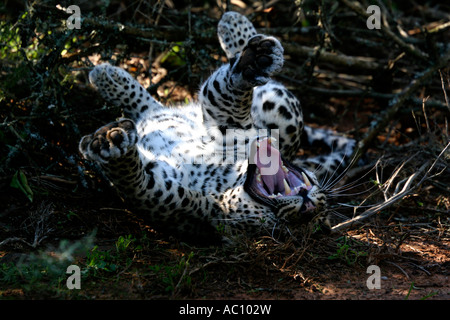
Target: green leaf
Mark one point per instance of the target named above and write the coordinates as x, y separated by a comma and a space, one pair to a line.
19, 181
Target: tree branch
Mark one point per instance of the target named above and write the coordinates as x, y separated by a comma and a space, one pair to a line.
357, 63
166, 33
354, 6
395, 104
406, 190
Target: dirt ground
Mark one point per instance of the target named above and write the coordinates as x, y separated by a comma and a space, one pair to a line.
412, 256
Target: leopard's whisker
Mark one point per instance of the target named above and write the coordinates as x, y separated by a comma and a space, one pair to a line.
348, 187
338, 214
342, 174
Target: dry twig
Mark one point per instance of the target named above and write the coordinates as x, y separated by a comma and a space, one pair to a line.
387, 31
406, 189
395, 104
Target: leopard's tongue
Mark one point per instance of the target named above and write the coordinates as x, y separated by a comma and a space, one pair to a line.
269, 162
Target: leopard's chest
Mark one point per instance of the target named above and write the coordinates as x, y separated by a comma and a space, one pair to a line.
179, 140
171, 134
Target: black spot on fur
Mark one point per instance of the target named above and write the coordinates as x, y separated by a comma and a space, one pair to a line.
268, 106
216, 85
168, 199
151, 181
284, 112
180, 192
185, 202
211, 98
278, 92
290, 129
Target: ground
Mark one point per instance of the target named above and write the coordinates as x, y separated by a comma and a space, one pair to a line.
127, 259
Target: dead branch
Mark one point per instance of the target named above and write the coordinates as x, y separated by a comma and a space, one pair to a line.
444, 91
387, 31
166, 34
15, 239
337, 93
356, 63
407, 188
395, 104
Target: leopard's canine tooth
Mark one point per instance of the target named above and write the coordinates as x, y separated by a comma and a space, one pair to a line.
306, 180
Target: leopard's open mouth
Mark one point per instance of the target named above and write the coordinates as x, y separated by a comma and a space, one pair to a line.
271, 180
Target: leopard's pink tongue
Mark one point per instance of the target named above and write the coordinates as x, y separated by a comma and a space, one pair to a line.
268, 160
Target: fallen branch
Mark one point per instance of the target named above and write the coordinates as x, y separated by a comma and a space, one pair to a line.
395, 105
356, 63
398, 195
15, 239
167, 34
335, 93
160, 33
385, 29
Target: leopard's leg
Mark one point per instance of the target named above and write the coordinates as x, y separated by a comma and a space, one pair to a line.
118, 87
151, 186
113, 147
226, 99
226, 96
234, 30
273, 106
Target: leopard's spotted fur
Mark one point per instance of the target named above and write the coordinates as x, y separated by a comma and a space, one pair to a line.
199, 168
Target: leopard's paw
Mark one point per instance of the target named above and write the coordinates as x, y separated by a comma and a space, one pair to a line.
113, 140
262, 56
234, 30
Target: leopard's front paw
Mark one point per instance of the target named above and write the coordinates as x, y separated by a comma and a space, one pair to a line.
113, 140
262, 56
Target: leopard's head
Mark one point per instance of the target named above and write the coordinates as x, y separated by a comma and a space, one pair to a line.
293, 193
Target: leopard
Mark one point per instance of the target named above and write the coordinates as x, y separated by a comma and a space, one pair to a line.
225, 165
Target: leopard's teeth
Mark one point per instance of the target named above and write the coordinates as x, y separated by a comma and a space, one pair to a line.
287, 189
275, 195
286, 170
306, 180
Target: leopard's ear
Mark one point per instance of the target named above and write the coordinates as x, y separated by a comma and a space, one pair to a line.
234, 30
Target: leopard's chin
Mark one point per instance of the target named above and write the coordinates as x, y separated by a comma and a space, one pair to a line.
272, 180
